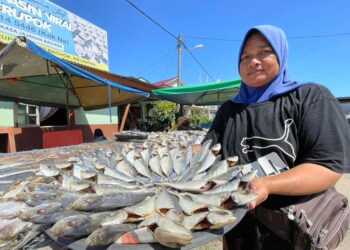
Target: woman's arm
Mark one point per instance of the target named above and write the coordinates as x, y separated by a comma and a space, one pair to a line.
306, 178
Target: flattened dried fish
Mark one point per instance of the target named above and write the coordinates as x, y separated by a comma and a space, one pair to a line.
192, 186
154, 164
228, 187
243, 197
137, 236
108, 234
142, 210
78, 225
165, 201
171, 234
219, 219
196, 221
49, 170
9, 229
94, 202
10, 209
115, 218
191, 207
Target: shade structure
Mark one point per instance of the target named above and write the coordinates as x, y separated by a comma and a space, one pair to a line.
200, 94
32, 75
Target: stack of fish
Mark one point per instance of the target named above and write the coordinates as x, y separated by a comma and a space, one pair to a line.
155, 192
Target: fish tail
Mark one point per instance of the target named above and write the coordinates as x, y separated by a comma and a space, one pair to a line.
128, 238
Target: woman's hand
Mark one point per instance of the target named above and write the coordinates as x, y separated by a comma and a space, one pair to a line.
259, 187
304, 179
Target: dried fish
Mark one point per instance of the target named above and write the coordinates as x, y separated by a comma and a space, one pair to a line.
94, 202
142, 210
9, 229
243, 197
78, 225
115, 218
137, 236
128, 193
171, 234
10, 209
220, 219
108, 234
196, 221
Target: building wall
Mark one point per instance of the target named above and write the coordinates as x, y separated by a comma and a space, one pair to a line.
13, 139
6, 114
98, 116
88, 121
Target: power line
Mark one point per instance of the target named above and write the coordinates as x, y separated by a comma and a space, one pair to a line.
172, 35
152, 20
291, 37
319, 36
214, 38
156, 62
189, 51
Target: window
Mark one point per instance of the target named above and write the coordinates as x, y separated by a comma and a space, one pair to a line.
27, 115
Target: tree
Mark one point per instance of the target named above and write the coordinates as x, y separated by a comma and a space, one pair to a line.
163, 115
198, 118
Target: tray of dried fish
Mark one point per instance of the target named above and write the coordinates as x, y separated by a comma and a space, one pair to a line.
154, 194
131, 135
199, 238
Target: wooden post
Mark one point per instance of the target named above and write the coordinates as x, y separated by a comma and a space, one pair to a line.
125, 115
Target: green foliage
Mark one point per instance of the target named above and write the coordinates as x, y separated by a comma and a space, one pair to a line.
163, 115
199, 117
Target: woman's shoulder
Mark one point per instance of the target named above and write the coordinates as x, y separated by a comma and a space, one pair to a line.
316, 88
314, 92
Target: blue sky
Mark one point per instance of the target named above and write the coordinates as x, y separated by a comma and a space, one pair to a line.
137, 47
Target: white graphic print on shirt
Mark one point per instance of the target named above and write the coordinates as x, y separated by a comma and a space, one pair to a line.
250, 144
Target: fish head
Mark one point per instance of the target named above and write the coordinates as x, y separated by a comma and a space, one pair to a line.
77, 227
39, 211
70, 226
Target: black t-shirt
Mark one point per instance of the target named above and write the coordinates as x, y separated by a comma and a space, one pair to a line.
306, 125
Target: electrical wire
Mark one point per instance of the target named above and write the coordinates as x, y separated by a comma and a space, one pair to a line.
189, 51
291, 37
172, 35
152, 20
156, 62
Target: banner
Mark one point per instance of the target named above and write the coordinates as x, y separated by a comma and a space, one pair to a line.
56, 30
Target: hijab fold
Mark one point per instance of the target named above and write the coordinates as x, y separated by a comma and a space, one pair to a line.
281, 83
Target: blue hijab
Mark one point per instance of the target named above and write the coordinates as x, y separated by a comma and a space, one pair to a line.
281, 83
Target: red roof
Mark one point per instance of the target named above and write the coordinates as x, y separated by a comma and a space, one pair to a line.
167, 82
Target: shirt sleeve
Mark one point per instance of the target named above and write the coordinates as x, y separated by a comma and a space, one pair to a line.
324, 136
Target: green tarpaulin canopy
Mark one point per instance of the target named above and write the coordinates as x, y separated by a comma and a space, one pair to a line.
200, 94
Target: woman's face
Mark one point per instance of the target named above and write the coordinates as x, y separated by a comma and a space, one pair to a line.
258, 62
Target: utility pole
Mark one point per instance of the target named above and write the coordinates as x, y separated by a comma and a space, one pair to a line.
179, 60
179, 108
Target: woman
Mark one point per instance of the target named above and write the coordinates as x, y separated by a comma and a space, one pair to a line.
291, 131
98, 135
